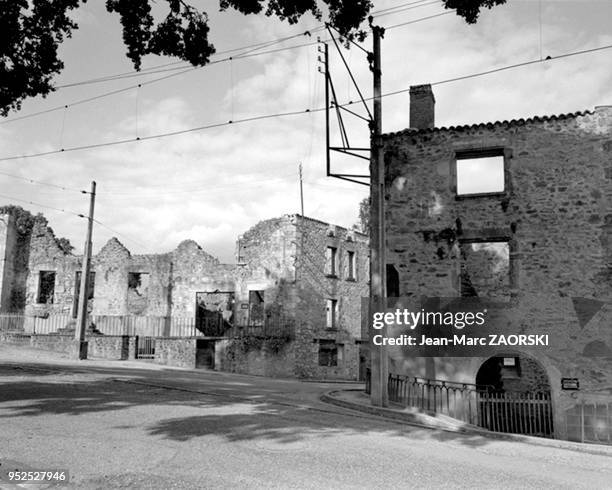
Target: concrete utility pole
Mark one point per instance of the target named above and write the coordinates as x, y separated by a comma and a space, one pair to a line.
79, 335
378, 354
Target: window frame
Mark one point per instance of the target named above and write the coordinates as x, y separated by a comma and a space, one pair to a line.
332, 350
51, 296
331, 312
332, 260
351, 265
473, 154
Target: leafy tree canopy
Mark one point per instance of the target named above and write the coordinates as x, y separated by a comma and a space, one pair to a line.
32, 30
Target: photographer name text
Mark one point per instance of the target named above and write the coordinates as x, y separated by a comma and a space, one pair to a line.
463, 340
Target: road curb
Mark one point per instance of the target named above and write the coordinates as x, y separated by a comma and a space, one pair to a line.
413, 419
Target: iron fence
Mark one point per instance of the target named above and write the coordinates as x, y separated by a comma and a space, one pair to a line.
590, 419
510, 412
144, 326
457, 400
516, 413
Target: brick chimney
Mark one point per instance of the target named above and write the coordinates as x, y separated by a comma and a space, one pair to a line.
422, 107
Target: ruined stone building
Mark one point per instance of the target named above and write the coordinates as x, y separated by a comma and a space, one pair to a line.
519, 212
289, 306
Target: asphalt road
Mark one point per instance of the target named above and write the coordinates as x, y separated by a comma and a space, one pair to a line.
122, 425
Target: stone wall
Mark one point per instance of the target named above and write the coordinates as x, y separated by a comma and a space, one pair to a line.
282, 259
317, 285
555, 214
106, 347
176, 352
259, 357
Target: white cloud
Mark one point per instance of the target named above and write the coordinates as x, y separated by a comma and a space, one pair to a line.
214, 184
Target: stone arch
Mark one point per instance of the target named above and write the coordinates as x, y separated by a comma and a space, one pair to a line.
530, 376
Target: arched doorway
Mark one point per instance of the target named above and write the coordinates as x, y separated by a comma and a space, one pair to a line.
514, 396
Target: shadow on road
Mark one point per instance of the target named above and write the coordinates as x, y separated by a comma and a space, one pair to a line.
237, 408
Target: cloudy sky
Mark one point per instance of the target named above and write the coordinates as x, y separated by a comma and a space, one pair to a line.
212, 185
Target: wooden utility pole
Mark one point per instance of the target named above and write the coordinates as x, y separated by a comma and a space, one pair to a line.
378, 354
81, 324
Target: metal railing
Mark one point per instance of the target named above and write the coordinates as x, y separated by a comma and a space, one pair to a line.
457, 400
510, 412
590, 419
145, 326
516, 413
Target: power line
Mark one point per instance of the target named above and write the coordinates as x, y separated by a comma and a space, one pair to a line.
508, 67
157, 68
417, 20
48, 184
121, 234
42, 205
291, 113
399, 10
183, 70
382, 11
163, 135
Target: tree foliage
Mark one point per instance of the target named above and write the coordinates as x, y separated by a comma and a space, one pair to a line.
32, 30
363, 225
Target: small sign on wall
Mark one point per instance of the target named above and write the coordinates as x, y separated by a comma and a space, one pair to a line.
570, 384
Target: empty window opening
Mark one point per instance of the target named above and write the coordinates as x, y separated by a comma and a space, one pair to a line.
256, 308
214, 312
330, 353
392, 281
46, 287
330, 261
332, 313
138, 292
485, 269
350, 265
480, 175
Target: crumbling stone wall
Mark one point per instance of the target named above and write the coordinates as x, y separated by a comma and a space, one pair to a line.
46, 255
282, 257
555, 214
316, 287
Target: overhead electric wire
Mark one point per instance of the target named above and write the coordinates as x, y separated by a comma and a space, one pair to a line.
381, 11
42, 205
247, 54
295, 112
121, 234
417, 20
399, 10
185, 69
48, 184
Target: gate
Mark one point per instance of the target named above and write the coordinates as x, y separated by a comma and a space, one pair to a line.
145, 348
516, 413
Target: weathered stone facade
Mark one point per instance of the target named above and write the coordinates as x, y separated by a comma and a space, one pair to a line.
279, 286
554, 218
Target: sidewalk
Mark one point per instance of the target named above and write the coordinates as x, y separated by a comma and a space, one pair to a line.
355, 399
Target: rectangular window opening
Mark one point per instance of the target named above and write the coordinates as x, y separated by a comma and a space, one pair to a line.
350, 259
328, 353
332, 313
46, 287
480, 173
331, 261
